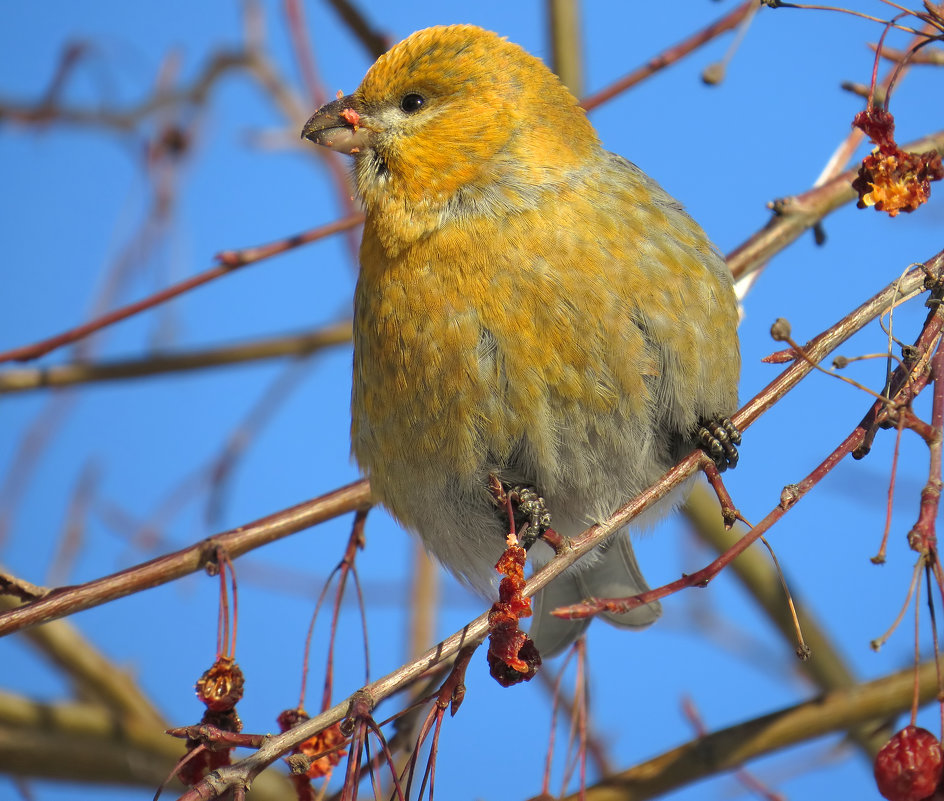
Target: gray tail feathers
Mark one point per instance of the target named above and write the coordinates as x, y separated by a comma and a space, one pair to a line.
613, 574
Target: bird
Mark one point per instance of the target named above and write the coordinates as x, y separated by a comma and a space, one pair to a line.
530, 309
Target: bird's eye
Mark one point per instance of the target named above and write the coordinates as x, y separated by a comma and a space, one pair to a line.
412, 102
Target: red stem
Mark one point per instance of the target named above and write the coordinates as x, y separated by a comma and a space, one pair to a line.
671, 55
230, 261
924, 529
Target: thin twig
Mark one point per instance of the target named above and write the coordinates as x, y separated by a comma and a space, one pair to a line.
230, 260
671, 55
68, 600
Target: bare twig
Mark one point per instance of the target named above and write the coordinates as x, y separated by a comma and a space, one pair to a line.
675, 53
924, 528
230, 261
68, 600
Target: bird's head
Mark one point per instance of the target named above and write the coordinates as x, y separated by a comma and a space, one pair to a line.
455, 121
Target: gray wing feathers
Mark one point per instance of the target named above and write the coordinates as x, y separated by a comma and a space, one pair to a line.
551, 634
615, 574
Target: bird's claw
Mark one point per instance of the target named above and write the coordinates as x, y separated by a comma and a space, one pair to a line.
531, 515
538, 517
719, 438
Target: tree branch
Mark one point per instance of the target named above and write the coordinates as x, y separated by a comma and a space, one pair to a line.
243, 772
730, 748
63, 375
68, 600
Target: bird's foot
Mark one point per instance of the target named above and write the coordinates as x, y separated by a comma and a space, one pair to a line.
528, 516
533, 508
718, 438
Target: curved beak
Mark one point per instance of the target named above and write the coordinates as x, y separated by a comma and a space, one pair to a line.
338, 126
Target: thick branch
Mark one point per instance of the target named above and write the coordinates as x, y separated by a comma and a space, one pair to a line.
93, 675
730, 748
82, 742
566, 51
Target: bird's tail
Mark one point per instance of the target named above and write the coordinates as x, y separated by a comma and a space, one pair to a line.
614, 574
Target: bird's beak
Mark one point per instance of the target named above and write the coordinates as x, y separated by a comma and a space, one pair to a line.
338, 126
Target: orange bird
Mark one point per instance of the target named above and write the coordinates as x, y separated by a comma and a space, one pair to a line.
530, 307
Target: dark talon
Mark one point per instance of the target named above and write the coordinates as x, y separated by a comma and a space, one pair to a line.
531, 516
719, 438
538, 517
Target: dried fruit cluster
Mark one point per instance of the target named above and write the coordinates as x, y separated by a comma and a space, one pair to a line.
323, 751
890, 179
512, 656
220, 688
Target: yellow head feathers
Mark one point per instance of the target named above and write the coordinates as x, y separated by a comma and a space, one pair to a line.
457, 109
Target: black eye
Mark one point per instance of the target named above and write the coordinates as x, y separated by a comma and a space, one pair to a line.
412, 102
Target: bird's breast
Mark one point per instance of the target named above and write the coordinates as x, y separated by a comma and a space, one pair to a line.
419, 391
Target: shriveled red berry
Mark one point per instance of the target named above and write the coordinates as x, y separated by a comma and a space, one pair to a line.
221, 686
910, 765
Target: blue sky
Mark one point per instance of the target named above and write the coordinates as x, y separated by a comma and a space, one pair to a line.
73, 198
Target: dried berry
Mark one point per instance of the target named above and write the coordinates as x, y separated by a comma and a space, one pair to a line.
910, 765
897, 181
527, 658
329, 740
317, 763
890, 179
221, 686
